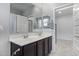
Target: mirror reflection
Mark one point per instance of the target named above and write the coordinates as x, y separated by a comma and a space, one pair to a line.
25, 20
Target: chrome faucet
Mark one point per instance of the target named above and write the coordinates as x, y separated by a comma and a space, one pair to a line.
40, 33
25, 36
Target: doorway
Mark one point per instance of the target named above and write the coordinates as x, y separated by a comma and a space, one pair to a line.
64, 30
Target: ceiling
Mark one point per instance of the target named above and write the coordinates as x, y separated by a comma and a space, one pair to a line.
21, 6
30, 7
25, 6
68, 10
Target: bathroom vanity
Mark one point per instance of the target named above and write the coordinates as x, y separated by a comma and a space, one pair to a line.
25, 44
32, 45
30, 35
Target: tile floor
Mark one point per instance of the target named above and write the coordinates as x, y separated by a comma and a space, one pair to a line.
65, 48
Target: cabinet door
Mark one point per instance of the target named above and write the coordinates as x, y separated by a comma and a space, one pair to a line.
40, 48
50, 44
30, 50
16, 50
46, 46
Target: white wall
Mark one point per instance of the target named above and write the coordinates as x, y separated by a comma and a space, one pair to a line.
4, 29
22, 24
76, 27
12, 22
65, 27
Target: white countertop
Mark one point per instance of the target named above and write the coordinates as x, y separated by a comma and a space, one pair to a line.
21, 41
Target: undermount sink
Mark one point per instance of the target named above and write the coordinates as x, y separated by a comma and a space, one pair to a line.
20, 40
27, 38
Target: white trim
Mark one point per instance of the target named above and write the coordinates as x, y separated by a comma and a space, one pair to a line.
75, 47
64, 7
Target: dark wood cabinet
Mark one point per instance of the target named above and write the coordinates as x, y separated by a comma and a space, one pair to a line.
49, 44
46, 46
30, 49
39, 48
16, 50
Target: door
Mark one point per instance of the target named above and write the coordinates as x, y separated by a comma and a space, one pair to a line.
30, 49
40, 48
49, 44
46, 46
